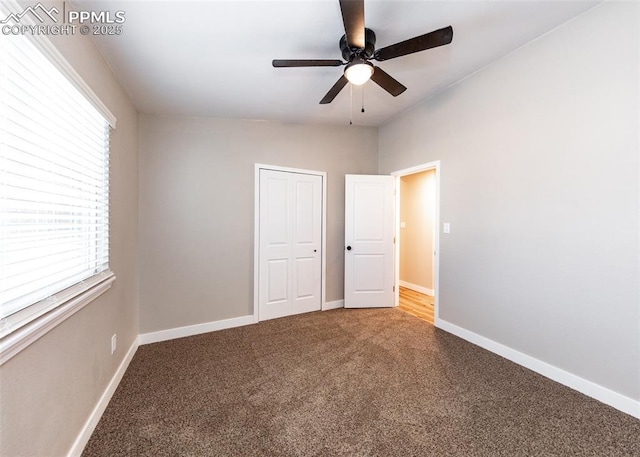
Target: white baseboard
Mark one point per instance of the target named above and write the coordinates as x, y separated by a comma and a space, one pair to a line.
618, 401
333, 305
93, 419
197, 329
417, 288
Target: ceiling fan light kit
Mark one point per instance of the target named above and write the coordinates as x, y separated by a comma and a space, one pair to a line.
357, 46
358, 71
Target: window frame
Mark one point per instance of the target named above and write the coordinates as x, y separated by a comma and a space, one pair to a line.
37, 319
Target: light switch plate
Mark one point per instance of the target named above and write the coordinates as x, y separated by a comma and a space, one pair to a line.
446, 227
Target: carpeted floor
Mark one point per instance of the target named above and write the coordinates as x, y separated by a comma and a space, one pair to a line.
347, 383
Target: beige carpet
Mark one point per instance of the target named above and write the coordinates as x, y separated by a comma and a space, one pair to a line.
347, 383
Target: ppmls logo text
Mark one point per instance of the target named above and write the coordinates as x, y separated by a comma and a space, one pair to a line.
42, 14
52, 21
95, 17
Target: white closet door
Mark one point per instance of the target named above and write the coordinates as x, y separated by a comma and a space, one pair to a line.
290, 243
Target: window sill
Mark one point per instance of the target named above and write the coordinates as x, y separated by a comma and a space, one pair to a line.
21, 338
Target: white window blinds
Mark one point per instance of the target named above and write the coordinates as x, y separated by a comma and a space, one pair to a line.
54, 184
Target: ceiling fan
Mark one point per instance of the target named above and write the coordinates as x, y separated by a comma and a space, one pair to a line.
358, 49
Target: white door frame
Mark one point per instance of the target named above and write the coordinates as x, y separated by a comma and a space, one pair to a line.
436, 233
256, 233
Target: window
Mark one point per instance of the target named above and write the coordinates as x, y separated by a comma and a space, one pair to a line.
54, 184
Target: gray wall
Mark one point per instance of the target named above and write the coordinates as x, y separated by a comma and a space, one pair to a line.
540, 184
197, 209
48, 390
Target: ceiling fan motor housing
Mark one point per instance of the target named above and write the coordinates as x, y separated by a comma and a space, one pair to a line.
350, 53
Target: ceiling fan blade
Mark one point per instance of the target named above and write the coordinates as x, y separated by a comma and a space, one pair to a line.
335, 90
420, 43
306, 63
382, 79
353, 19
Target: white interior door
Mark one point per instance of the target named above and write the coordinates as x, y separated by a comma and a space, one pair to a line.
369, 241
290, 272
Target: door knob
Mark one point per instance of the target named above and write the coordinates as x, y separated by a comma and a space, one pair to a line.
348, 248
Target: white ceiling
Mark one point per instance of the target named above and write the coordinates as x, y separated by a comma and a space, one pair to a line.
213, 58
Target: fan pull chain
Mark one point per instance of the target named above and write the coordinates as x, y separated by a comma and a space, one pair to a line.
350, 104
362, 109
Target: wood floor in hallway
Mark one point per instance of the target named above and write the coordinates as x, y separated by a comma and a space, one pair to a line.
417, 304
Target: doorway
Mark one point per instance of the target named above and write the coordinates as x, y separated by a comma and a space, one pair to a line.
417, 244
289, 249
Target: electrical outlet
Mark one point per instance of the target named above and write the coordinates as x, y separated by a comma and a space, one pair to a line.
113, 344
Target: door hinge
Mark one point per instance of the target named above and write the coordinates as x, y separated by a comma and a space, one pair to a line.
394, 288
394, 240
